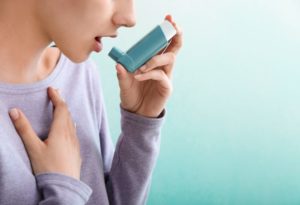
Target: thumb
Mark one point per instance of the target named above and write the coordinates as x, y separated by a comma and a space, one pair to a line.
121, 72
26, 132
124, 77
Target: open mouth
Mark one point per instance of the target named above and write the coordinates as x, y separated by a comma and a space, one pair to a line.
98, 39
98, 44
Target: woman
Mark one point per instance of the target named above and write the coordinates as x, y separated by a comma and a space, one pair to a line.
54, 142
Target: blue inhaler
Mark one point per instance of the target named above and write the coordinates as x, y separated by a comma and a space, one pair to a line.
146, 48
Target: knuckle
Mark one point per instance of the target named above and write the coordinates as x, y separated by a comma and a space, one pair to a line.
180, 44
63, 105
21, 125
24, 130
161, 72
172, 57
154, 61
179, 31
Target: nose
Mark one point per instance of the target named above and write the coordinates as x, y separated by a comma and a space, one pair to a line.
124, 14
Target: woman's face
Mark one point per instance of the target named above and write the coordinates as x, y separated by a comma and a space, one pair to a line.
74, 24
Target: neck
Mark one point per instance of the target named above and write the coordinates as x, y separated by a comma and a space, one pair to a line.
22, 44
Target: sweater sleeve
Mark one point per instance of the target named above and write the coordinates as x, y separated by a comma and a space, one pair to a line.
134, 159
60, 189
128, 167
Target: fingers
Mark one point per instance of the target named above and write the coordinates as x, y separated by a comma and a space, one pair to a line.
26, 132
121, 72
58, 102
177, 40
52, 154
54, 96
157, 75
124, 77
62, 117
167, 60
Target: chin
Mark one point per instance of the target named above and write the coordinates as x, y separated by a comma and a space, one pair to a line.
79, 60
77, 51
77, 56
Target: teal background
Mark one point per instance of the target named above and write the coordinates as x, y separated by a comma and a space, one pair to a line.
232, 134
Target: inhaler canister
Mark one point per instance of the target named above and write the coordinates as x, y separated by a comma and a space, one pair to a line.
145, 48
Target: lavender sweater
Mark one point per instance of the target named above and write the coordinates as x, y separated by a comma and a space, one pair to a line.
108, 176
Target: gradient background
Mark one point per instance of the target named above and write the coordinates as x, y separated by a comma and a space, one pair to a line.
232, 134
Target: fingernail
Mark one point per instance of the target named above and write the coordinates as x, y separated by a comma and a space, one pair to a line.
14, 114
169, 17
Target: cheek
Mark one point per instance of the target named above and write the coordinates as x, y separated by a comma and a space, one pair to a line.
73, 24
72, 40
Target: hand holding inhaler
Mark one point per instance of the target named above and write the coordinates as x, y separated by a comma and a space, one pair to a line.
144, 76
146, 48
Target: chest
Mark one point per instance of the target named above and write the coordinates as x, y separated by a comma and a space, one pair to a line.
17, 182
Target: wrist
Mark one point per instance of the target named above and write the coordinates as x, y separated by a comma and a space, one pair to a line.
142, 112
149, 114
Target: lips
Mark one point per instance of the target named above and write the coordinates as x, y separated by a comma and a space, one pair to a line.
98, 44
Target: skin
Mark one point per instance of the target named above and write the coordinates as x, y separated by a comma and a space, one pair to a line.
27, 28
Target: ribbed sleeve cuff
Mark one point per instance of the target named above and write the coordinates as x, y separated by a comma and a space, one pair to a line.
143, 121
62, 188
